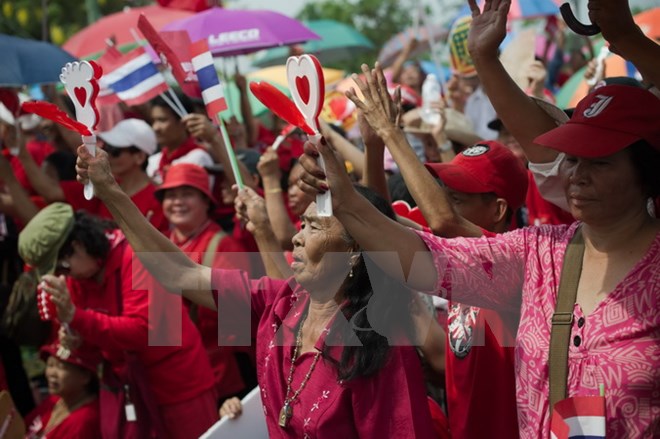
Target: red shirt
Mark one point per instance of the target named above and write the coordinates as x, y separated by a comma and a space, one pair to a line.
229, 254
389, 404
82, 423
480, 374
144, 199
117, 313
540, 211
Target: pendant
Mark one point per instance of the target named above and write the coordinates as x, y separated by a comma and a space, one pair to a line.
285, 415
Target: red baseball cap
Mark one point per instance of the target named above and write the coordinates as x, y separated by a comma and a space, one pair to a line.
186, 174
609, 119
487, 166
85, 356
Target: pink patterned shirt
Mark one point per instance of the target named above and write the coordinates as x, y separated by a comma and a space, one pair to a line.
391, 403
617, 345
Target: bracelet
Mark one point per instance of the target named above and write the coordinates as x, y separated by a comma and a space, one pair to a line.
273, 191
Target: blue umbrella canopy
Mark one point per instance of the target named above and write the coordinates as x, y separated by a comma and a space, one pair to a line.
338, 42
26, 62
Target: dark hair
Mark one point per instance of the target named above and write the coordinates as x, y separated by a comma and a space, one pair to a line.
89, 231
370, 357
646, 160
187, 103
64, 163
398, 190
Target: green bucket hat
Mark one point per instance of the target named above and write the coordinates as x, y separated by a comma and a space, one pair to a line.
42, 238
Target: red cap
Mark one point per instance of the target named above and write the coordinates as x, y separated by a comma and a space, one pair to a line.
609, 119
186, 174
487, 166
85, 356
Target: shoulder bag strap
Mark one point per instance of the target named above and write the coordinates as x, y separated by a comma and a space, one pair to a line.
562, 318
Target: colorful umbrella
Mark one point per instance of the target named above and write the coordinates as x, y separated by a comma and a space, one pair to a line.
276, 75
392, 48
338, 42
90, 41
649, 21
238, 32
576, 87
26, 62
524, 9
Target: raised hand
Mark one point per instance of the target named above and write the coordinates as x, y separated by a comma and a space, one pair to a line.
614, 19
269, 165
335, 178
378, 108
200, 127
488, 27
95, 169
251, 210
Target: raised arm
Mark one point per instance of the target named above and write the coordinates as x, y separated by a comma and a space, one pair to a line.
626, 38
200, 127
432, 199
487, 31
160, 256
246, 109
349, 151
45, 186
397, 67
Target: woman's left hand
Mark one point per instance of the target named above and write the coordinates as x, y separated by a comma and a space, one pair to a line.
59, 294
95, 169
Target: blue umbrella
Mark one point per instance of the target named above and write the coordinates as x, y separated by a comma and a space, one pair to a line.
26, 62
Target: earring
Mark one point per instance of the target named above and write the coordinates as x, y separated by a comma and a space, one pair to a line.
350, 273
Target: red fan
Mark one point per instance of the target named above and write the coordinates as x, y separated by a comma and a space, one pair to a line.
52, 112
278, 103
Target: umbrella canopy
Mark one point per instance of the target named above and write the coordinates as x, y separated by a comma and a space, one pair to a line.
91, 40
338, 42
238, 32
576, 87
524, 9
276, 75
649, 22
395, 45
26, 62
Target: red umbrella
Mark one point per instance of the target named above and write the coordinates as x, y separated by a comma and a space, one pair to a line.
91, 40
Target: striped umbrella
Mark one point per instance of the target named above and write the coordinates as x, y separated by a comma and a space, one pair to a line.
576, 87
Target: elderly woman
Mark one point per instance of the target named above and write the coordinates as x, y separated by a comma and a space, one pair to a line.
316, 380
612, 145
72, 409
103, 298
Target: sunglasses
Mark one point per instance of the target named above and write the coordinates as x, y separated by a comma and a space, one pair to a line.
115, 152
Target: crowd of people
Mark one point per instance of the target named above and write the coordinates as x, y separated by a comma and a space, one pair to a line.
161, 302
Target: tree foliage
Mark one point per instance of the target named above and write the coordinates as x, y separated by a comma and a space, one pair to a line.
378, 20
24, 18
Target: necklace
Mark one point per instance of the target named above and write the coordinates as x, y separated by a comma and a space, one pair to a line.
287, 410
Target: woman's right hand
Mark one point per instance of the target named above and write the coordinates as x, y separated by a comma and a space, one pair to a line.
488, 27
95, 169
231, 408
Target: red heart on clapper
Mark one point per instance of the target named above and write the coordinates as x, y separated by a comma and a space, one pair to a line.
403, 209
81, 95
302, 84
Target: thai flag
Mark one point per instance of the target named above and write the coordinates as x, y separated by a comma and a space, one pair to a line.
109, 58
579, 417
212, 90
134, 77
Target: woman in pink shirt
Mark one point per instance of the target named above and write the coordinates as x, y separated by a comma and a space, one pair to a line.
612, 145
330, 362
